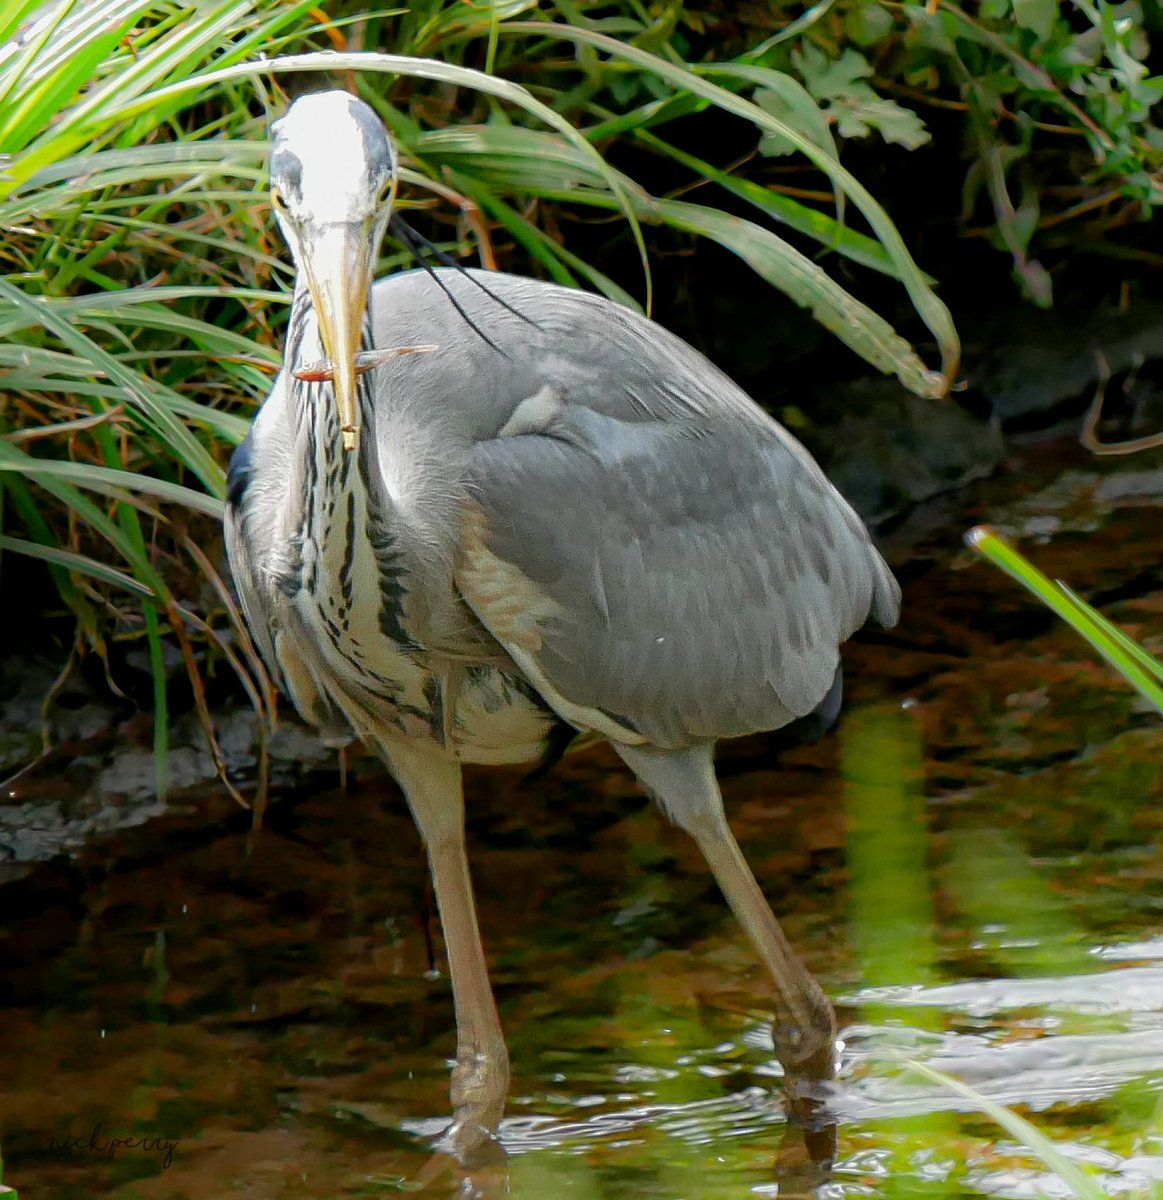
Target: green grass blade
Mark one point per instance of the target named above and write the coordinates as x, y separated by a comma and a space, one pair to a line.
131, 525
140, 392
80, 564
161, 702
544, 165
929, 307
28, 511
814, 224
811, 121
1139, 669
648, 116
1019, 1128
108, 481
1128, 645
85, 510
14, 17
785, 267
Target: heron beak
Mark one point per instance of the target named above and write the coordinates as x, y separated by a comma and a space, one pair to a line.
338, 265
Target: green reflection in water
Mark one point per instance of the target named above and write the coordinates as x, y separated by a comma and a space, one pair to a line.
1016, 916
891, 919
892, 924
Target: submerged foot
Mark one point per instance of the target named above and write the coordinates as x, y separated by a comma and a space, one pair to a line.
480, 1083
809, 1059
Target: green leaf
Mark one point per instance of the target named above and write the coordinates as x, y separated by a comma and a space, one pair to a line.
787, 100
1036, 15
791, 103
852, 103
857, 118
827, 78
867, 23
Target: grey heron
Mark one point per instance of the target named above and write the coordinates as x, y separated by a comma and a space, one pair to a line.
458, 542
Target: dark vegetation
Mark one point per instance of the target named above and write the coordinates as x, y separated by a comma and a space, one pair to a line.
1012, 143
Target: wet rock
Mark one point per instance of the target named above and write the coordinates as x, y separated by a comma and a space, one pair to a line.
22, 694
100, 774
891, 449
294, 750
43, 827
1141, 487
76, 714
1033, 365
132, 777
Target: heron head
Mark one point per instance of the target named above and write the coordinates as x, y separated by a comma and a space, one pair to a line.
333, 181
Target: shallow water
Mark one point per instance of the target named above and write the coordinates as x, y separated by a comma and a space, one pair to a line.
971, 863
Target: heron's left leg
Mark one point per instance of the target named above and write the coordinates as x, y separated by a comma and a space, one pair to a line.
480, 1079
683, 782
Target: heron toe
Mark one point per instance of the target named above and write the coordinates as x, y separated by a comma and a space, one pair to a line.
480, 1083
808, 1052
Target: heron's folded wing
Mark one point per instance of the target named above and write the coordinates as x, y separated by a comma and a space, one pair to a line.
667, 582
243, 567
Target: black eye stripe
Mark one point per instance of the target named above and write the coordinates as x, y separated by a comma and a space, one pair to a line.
288, 170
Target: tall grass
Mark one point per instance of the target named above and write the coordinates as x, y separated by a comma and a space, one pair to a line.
143, 292
1140, 669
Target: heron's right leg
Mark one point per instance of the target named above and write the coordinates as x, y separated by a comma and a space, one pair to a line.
683, 782
480, 1079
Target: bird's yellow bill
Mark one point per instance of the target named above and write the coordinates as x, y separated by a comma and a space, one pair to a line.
338, 265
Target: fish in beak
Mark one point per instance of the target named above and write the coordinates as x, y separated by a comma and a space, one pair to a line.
338, 263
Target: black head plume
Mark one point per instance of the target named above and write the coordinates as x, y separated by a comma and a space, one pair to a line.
421, 249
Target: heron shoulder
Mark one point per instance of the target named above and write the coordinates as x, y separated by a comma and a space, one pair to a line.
506, 337
238, 474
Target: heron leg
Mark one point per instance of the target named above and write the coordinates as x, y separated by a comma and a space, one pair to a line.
480, 1078
683, 782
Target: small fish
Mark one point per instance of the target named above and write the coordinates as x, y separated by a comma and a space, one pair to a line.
323, 371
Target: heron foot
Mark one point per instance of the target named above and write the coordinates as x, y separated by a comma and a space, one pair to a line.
480, 1084
808, 1052
809, 1061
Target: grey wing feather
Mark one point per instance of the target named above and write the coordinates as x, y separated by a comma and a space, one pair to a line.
696, 578
243, 568
597, 354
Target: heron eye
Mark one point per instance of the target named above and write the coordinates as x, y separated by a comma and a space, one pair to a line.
388, 192
277, 201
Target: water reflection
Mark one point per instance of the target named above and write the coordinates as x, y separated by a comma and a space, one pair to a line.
992, 908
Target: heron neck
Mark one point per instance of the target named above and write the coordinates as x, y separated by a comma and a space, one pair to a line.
403, 486
331, 472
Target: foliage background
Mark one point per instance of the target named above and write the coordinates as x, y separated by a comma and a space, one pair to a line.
144, 292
